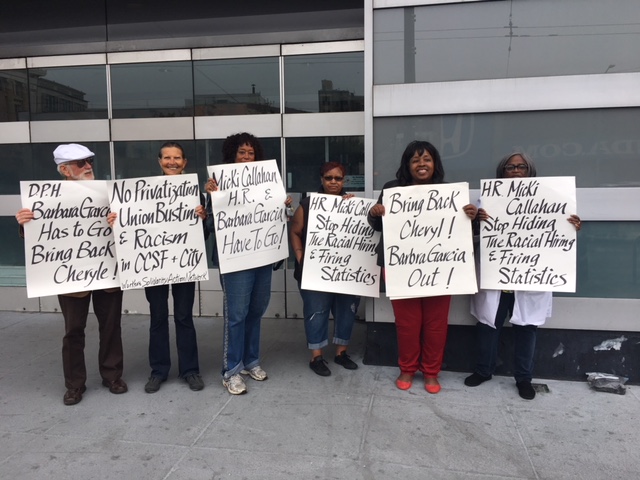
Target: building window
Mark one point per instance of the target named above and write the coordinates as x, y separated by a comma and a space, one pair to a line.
152, 90
324, 83
246, 86
514, 39
68, 93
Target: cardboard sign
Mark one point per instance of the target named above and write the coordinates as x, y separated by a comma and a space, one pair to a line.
159, 237
249, 215
428, 241
69, 246
340, 251
528, 244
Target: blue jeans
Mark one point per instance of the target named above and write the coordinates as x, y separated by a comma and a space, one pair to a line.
488, 342
186, 343
246, 297
317, 307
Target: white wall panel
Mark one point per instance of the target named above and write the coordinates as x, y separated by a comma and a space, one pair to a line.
262, 126
63, 131
14, 132
323, 124
123, 129
508, 95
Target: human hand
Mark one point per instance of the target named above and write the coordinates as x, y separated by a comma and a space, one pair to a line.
211, 185
377, 210
111, 218
470, 210
575, 221
201, 212
24, 215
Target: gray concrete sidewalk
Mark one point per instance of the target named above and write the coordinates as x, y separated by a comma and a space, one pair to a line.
296, 425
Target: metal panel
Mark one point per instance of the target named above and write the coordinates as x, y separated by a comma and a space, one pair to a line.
15, 299
323, 47
12, 63
223, 126
14, 132
415, 3
151, 128
323, 124
67, 60
61, 131
236, 52
9, 205
508, 95
149, 56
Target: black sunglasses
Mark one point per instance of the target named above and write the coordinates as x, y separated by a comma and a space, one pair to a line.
81, 163
328, 178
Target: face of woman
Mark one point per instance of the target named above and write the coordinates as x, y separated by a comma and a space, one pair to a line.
171, 160
421, 167
516, 167
245, 153
333, 181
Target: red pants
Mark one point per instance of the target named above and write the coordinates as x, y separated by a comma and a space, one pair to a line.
421, 324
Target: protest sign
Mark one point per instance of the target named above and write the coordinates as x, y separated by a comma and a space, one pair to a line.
428, 243
528, 244
69, 246
249, 215
340, 251
159, 237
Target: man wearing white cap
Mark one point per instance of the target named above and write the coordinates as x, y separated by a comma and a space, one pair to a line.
75, 162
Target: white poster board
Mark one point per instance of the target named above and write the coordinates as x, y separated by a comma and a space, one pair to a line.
69, 246
340, 251
159, 237
249, 215
528, 244
428, 241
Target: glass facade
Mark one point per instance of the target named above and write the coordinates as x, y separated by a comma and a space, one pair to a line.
581, 143
68, 93
152, 90
246, 86
324, 83
505, 39
14, 96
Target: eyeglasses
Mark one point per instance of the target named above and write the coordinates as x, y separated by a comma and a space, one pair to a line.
83, 162
522, 167
329, 178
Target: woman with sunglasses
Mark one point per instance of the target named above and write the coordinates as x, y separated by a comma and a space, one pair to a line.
318, 305
421, 323
527, 310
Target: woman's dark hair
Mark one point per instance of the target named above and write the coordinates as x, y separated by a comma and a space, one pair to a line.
233, 142
404, 173
171, 145
505, 160
330, 166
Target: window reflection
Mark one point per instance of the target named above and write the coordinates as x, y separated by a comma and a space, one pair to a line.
305, 156
68, 93
484, 40
324, 83
152, 90
600, 147
14, 96
245, 86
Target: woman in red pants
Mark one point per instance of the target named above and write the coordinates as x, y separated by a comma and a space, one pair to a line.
421, 323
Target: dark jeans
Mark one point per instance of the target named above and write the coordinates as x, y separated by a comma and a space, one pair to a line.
488, 340
186, 343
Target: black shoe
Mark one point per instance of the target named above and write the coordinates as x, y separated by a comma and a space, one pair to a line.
319, 366
476, 379
194, 380
525, 389
344, 360
153, 385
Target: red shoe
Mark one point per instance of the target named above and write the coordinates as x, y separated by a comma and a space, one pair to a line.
403, 384
432, 387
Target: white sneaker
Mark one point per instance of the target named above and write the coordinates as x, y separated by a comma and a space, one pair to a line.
235, 384
256, 373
